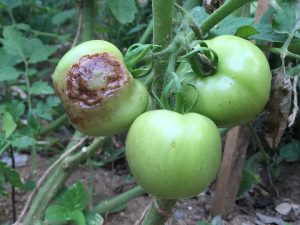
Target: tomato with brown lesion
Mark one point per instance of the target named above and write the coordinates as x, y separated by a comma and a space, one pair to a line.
96, 88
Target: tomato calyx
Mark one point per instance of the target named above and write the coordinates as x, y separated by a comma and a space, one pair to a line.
135, 59
202, 59
172, 96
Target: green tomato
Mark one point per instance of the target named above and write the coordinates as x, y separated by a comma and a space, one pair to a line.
240, 87
172, 155
98, 93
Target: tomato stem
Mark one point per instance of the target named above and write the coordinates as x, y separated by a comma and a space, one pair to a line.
162, 34
54, 125
110, 204
147, 33
159, 212
88, 20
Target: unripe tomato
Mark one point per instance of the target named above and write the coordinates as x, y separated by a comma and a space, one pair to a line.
98, 93
240, 87
172, 155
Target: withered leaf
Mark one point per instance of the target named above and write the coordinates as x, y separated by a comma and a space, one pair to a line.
278, 107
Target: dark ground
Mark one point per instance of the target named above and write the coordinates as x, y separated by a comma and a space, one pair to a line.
258, 207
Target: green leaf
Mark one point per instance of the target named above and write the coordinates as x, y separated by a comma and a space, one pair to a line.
11, 4
8, 73
77, 217
251, 174
123, 10
231, 24
74, 198
11, 176
284, 16
294, 71
94, 219
41, 87
56, 214
23, 26
33, 123
63, 16
245, 31
14, 43
250, 178
53, 101
23, 142
9, 125
43, 110
290, 152
15, 108
8, 60
199, 14
38, 51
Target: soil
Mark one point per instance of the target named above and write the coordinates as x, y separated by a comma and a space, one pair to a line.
258, 207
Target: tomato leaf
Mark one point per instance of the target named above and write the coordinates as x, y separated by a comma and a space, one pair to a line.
123, 10
11, 4
290, 152
251, 174
9, 125
43, 110
37, 51
63, 16
74, 198
94, 219
279, 107
294, 71
23, 142
13, 177
285, 17
231, 24
245, 31
77, 217
16, 108
199, 14
14, 43
41, 87
8, 73
56, 214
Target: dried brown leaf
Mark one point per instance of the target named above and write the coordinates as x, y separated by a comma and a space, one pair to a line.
278, 107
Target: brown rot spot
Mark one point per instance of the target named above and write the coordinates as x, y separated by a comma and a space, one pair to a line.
94, 78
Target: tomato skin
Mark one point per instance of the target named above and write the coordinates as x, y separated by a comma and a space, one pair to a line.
172, 155
238, 90
96, 89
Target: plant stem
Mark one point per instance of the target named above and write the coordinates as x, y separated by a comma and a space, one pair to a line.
279, 51
33, 162
162, 34
27, 82
11, 15
56, 180
54, 125
227, 8
13, 193
88, 20
261, 149
147, 33
91, 182
107, 205
159, 212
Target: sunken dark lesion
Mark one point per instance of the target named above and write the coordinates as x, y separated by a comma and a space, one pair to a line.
82, 87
